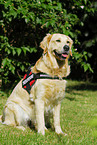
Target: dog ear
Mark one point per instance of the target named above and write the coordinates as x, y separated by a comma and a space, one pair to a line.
70, 47
45, 43
71, 42
70, 52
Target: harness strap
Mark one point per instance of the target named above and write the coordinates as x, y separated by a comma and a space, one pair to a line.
30, 79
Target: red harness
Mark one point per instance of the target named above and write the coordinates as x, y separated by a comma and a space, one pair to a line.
30, 79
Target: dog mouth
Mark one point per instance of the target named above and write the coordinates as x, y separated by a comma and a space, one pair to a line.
61, 56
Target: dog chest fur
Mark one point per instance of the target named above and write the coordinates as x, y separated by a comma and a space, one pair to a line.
50, 91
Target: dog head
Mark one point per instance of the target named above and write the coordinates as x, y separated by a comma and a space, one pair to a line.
59, 45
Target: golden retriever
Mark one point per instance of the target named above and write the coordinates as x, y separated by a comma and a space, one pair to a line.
35, 105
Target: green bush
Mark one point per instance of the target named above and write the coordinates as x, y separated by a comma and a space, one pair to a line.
23, 25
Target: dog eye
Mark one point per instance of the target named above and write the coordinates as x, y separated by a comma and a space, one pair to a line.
68, 42
58, 40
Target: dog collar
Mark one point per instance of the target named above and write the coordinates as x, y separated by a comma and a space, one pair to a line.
30, 79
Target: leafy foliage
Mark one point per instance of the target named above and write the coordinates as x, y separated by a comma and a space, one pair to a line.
23, 25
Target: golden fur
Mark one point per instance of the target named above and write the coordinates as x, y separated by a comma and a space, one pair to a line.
46, 94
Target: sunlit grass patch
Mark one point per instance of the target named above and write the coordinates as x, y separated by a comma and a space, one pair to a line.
78, 108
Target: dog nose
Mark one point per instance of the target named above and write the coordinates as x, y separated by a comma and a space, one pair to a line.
66, 48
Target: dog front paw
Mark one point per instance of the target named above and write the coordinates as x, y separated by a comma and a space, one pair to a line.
41, 132
58, 130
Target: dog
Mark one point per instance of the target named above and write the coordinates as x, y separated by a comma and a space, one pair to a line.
39, 94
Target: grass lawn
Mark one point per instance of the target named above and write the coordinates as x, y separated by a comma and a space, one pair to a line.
78, 108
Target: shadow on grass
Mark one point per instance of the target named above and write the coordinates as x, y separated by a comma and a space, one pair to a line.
77, 88
71, 98
81, 86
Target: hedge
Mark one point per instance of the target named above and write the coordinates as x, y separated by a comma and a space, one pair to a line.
23, 25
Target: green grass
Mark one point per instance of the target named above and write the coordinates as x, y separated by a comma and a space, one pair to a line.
78, 108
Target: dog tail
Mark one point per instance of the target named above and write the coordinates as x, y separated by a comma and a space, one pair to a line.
1, 118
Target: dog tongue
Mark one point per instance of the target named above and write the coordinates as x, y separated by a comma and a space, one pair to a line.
64, 55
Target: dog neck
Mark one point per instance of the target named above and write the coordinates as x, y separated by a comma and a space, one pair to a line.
60, 63
50, 65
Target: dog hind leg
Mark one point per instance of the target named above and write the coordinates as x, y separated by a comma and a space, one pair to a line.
8, 117
14, 115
